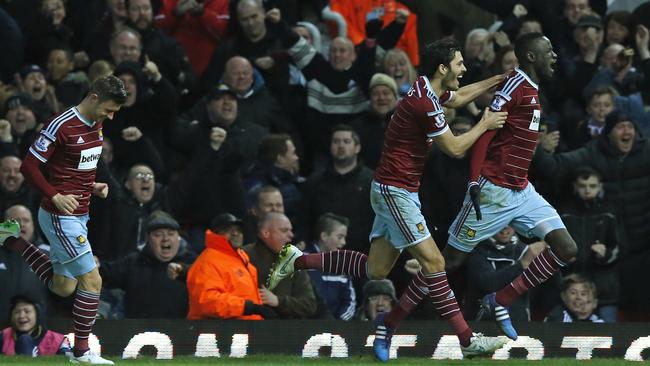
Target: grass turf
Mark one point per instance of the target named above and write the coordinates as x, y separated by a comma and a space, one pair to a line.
282, 360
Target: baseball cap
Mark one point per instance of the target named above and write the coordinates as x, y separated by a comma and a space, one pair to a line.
224, 220
17, 100
587, 21
383, 79
219, 91
161, 220
28, 69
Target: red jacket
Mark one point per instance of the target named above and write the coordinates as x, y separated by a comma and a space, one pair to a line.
220, 281
199, 35
355, 13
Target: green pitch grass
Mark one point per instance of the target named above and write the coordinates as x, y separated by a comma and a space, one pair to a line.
272, 360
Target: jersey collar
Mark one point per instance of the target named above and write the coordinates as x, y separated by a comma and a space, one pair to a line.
522, 73
82, 118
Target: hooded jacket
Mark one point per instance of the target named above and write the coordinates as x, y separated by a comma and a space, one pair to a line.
220, 281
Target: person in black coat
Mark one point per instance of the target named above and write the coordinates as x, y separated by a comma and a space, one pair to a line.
149, 292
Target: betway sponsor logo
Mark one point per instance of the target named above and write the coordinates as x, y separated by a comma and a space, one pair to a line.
88, 158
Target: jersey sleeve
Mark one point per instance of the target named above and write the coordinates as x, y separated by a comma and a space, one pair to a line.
43, 147
447, 97
431, 116
507, 95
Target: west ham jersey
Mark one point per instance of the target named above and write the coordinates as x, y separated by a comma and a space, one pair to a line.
70, 147
417, 119
511, 150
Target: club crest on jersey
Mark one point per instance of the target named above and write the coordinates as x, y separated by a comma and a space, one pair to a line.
440, 120
42, 143
497, 102
534, 122
100, 135
81, 239
420, 227
471, 233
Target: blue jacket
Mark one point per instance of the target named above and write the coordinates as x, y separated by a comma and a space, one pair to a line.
336, 290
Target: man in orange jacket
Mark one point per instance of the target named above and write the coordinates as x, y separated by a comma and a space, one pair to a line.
222, 282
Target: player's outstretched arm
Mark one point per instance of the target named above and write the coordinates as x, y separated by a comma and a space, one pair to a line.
456, 146
470, 92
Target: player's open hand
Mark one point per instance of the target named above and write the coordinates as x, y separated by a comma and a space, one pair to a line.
493, 120
66, 204
100, 190
475, 196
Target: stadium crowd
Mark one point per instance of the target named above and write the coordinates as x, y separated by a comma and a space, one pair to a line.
254, 123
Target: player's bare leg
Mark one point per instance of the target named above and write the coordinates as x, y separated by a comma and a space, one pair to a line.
381, 258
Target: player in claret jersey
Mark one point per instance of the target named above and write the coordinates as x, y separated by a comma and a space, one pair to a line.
69, 145
418, 122
499, 193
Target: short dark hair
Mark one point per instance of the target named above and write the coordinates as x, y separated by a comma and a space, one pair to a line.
107, 88
264, 189
601, 90
67, 51
526, 43
347, 128
440, 52
271, 146
328, 221
584, 172
577, 278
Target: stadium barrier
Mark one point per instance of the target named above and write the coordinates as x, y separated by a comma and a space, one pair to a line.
166, 338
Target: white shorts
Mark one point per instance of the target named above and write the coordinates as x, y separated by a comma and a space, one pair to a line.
526, 211
397, 216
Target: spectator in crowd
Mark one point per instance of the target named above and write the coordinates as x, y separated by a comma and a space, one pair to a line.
219, 109
357, 14
149, 292
343, 189
47, 32
27, 334
19, 111
619, 28
266, 199
371, 125
25, 218
621, 156
198, 26
151, 108
335, 89
278, 165
222, 283
378, 297
17, 279
159, 48
337, 290
257, 104
494, 263
397, 65
579, 301
31, 81
599, 104
293, 297
69, 86
252, 40
505, 59
13, 189
590, 221
125, 45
